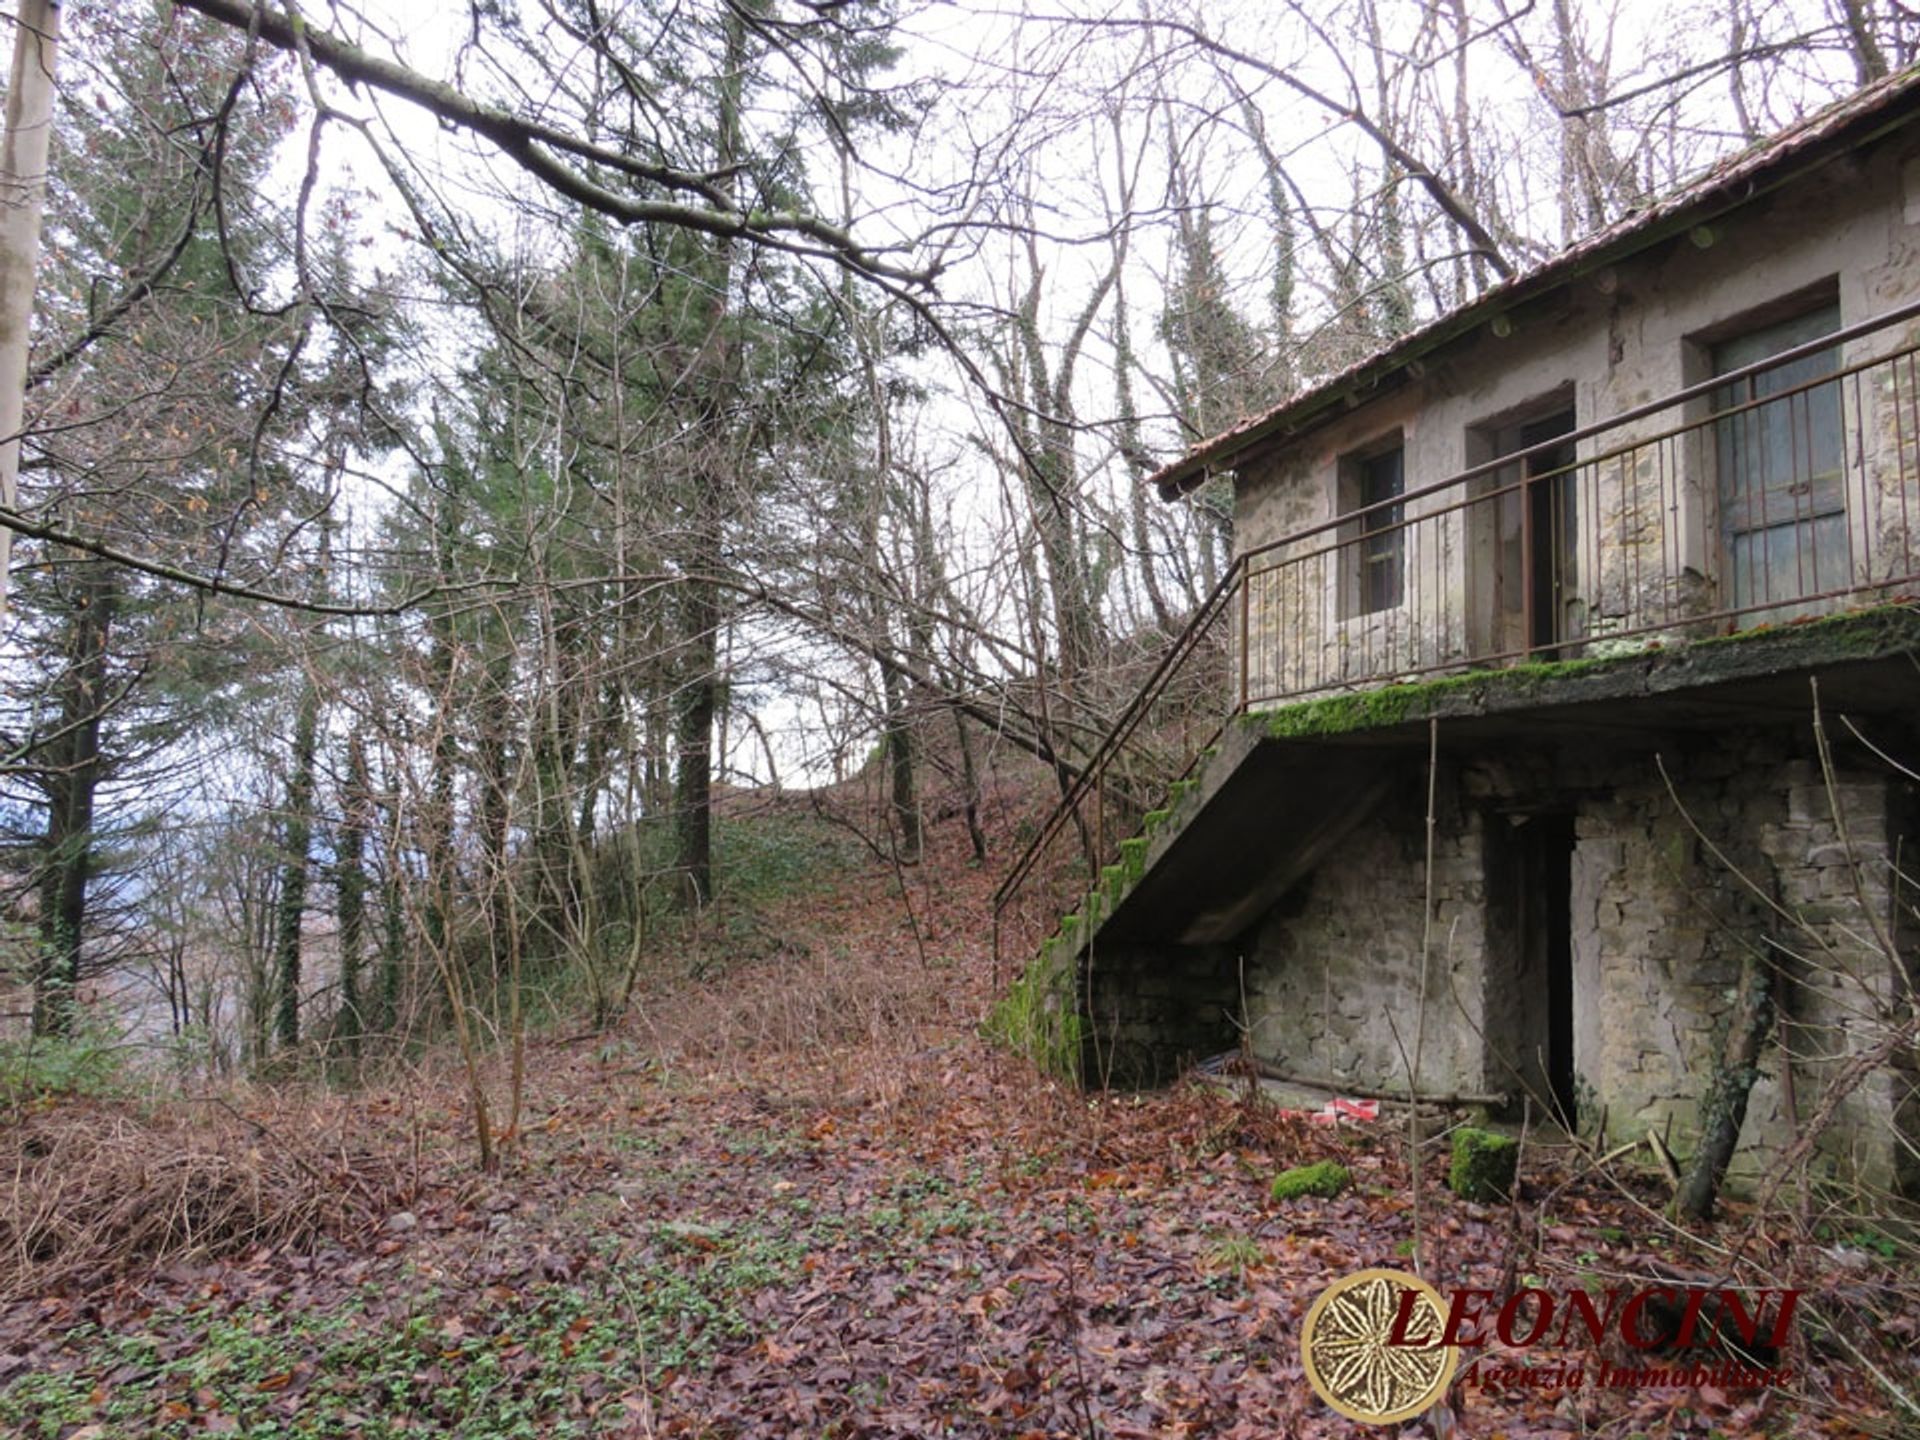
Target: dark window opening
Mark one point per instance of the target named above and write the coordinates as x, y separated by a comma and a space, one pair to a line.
1552, 532
1529, 1002
1380, 546
1553, 843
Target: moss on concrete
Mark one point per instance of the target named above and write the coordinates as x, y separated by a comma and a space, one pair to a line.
1398, 704
1038, 1017
1860, 634
1849, 635
1324, 1178
1484, 1165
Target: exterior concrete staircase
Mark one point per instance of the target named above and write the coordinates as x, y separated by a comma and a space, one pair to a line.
1135, 972
1141, 973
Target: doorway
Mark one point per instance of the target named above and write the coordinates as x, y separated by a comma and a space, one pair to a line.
1525, 557
1529, 995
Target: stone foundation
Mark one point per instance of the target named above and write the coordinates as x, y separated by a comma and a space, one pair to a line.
1156, 1010
1674, 882
1334, 971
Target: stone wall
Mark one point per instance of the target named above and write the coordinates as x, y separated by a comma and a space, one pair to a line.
1852, 942
1660, 928
1662, 921
1153, 1011
1334, 971
1671, 889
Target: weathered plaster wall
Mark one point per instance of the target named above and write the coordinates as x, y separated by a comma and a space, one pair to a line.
1647, 552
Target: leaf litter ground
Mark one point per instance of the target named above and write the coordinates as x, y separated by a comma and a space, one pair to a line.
851, 1218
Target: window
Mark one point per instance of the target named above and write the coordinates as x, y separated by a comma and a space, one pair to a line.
1777, 460
1372, 559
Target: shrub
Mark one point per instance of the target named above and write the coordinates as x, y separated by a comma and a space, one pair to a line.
86, 1063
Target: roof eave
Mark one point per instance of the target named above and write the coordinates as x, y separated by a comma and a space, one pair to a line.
1228, 450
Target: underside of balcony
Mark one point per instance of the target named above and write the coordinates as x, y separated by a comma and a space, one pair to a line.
1148, 974
1301, 776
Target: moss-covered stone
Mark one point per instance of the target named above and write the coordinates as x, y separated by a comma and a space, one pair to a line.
1872, 630
1325, 1178
1038, 1016
1399, 704
1484, 1165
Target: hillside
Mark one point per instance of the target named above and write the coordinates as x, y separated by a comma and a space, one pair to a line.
801, 1196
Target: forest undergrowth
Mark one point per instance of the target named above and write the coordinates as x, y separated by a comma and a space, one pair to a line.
800, 1196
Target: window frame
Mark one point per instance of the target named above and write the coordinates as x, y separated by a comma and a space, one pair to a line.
1373, 544
1743, 416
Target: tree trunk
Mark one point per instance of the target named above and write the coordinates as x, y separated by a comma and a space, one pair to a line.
493, 763
296, 857
970, 778
350, 885
75, 770
1462, 141
179, 998
1723, 1109
23, 195
699, 693
1737, 32
900, 763
1134, 454
1869, 61
693, 744
393, 936
1394, 296
896, 733
1048, 472
438, 819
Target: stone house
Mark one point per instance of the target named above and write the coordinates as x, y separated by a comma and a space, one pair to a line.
1570, 567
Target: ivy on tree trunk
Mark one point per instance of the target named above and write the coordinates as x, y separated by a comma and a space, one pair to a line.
1723, 1109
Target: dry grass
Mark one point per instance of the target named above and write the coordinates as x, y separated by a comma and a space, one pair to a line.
847, 1005
875, 1007
870, 970
88, 1192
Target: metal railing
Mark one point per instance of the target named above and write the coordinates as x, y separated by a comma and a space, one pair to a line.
1174, 717
1767, 494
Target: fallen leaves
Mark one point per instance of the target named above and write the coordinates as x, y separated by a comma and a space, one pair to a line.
906, 1235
